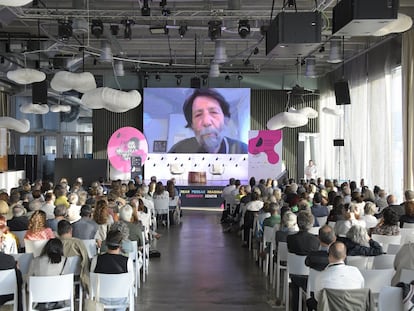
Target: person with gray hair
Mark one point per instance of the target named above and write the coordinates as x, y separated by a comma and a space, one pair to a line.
126, 244
135, 229
60, 213
370, 210
19, 222
359, 243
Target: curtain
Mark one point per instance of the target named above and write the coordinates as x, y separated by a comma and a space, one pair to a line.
408, 107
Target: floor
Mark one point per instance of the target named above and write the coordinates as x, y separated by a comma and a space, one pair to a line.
202, 268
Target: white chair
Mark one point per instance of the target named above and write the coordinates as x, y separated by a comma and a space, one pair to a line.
408, 225
252, 232
174, 207
34, 247
216, 169
407, 235
313, 274
390, 298
8, 286
113, 286
314, 230
161, 206
24, 260
91, 247
393, 249
20, 237
361, 262
269, 237
406, 275
295, 265
50, 289
384, 240
322, 220
177, 170
73, 266
385, 261
375, 280
145, 257
282, 256
136, 257
331, 224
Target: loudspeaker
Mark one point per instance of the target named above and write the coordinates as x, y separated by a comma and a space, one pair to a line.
39, 92
338, 143
195, 82
342, 93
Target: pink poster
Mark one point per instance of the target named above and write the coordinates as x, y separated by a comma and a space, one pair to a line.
125, 143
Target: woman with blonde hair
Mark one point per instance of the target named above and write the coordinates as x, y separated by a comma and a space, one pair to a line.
37, 229
8, 243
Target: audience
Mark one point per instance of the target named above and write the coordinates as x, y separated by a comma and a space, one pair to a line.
388, 224
350, 218
370, 210
9, 242
359, 243
408, 217
60, 213
104, 220
20, 221
85, 228
37, 229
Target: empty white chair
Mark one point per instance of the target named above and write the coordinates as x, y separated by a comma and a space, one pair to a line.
34, 247
216, 169
385, 261
73, 266
322, 220
361, 262
175, 209
295, 265
269, 238
406, 275
390, 298
177, 169
408, 225
407, 235
393, 249
91, 247
136, 257
281, 264
113, 286
375, 280
44, 289
20, 237
161, 206
9, 285
384, 240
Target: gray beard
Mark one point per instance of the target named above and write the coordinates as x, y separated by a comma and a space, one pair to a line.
210, 143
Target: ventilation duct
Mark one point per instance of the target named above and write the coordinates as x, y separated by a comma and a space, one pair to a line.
220, 55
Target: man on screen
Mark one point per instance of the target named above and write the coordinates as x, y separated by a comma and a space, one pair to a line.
207, 113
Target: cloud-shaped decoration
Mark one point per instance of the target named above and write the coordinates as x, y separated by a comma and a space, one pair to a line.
401, 24
309, 112
333, 111
14, 2
34, 108
111, 99
21, 126
60, 108
26, 75
287, 119
65, 81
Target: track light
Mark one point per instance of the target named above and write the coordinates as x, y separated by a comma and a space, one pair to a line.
158, 77
106, 52
178, 77
97, 28
214, 29
335, 56
145, 10
310, 67
244, 28
204, 79
65, 30
182, 30
227, 78
239, 77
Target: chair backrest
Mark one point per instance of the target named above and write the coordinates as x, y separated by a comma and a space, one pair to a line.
217, 169
390, 298
361, 262
393, 249
50, 289
407, 235
296, 264
24, 260
112, 285
161, 205
408, 225
385, 261
8, 283
335, 299
331, 224
20, 237
173, 202
282, 251
34, 247
377, 279
384, 240
322, 220
73, 265
90, 247
176, 168
314, 230
269, 235
313, 274
406, 275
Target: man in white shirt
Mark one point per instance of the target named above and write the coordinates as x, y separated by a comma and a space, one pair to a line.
337, 275
311, 171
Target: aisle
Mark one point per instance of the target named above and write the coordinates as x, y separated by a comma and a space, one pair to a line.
202, 268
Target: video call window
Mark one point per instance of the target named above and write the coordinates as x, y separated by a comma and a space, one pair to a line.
191, 120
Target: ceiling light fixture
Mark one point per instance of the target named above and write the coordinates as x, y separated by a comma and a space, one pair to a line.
65, 30
14, 2
220, 55
182, 30
145, 10
158, 77
128, 31
119, 68
214, 29
227, 78
335, 56
244, 28
97, 28
310, 70
106, 52
178, 77
204, 79
214, 70
158, 30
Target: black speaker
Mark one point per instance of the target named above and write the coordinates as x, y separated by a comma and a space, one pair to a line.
338, 143
39, 92
195, 82
342, 93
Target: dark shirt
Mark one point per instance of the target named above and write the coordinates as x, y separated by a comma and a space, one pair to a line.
190, 145
407, 219
52, 224
8, 262
354, 249
302, 243
111, 264
18, 223
84, 229
317, 260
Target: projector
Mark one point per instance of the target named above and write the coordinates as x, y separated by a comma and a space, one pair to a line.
294, 34
362, 17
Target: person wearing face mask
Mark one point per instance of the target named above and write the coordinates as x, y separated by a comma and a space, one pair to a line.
207, 113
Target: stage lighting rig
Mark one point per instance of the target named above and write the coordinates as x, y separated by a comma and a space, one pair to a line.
65, 30
97, 28
214, 29
128, 31
182, 30
244, 28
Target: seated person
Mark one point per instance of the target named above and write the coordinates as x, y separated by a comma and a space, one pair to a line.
359, 243
388, 224
408, 217
350, 218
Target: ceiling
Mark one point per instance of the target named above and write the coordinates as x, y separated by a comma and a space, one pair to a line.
30, 34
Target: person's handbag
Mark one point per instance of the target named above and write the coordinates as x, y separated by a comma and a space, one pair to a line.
93, 304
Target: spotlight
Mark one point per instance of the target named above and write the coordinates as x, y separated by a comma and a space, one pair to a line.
335, 55
227, 78
127, 31
165, 12
178, 77
157, 77
106, 52
244, 28
145, 10
97, 28
256, 50
65, 30
182, 30
204, 77
322, 49
214, 29
114, 30
310, 67
239, 77
263, 29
